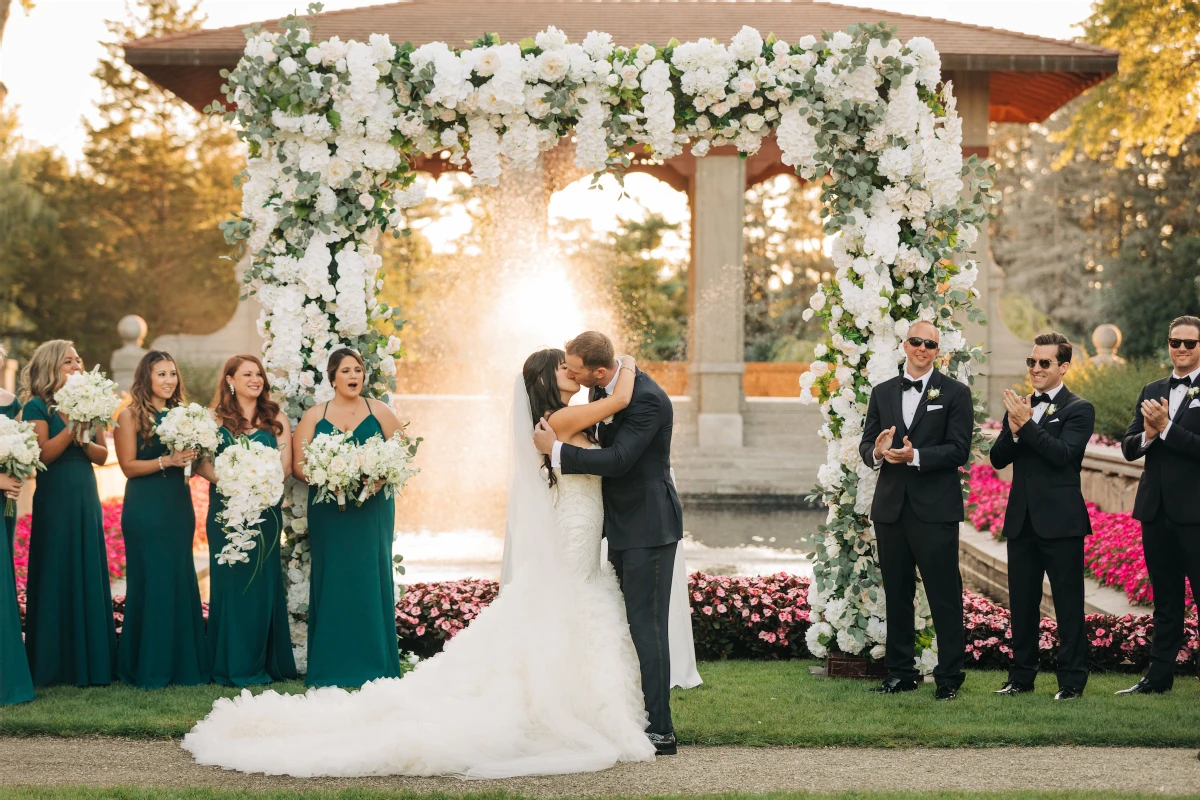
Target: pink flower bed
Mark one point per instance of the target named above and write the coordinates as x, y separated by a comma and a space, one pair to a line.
724, 623
1097, 438
1112, 554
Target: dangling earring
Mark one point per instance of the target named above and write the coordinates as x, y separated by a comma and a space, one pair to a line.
231, 391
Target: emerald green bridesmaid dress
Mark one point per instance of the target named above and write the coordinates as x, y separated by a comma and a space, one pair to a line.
249, 642
352, 601
162, 640
16, 686
69, 632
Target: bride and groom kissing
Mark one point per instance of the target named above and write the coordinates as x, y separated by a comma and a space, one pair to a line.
570, 668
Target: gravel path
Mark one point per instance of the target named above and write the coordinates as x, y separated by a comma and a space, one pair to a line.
102, 762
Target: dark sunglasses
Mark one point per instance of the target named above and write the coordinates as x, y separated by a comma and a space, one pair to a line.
1189, 344
928, 344
1044, 363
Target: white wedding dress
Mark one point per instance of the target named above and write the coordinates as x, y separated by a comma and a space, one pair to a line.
544, 681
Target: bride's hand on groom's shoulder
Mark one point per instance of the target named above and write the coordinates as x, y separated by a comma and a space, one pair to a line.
544, 437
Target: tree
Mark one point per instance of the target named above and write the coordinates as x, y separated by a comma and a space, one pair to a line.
1153, 102
1056, 228
653, 308
784, 262
5, 8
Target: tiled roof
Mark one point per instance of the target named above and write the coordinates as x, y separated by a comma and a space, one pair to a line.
188, 63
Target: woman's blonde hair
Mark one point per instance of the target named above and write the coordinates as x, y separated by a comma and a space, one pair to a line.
41, 375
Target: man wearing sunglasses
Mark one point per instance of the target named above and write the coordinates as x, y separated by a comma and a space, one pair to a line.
917, 434
1044, 437
1166, 430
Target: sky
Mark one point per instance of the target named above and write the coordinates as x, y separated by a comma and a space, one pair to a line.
48, 56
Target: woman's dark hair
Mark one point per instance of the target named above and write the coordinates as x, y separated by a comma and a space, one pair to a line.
141, 392
541, 384
335, 361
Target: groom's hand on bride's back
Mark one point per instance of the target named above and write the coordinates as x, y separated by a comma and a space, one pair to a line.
544, 437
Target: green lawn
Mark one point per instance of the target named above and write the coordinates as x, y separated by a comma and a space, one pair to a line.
746, 703
368, 794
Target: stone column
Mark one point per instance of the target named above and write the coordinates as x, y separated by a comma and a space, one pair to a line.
1005, 365
716, 329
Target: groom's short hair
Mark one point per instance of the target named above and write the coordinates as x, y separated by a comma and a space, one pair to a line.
594, 349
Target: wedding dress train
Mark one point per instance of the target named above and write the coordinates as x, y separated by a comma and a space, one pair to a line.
544, 681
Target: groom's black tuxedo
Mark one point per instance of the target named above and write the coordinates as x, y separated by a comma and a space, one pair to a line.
643, 522
641, 507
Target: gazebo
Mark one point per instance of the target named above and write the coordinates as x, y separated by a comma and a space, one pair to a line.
998, 75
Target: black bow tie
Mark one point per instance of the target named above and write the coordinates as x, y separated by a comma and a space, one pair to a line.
908, 383
1038, 399
1180, 382
599, 393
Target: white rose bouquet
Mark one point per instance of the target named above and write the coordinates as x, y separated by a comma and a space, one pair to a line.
386, 464
250, 481
20, 455
88, 401
189, 427
331, 463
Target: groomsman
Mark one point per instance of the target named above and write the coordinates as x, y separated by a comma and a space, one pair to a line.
1044, 437
918, 434
1166, 430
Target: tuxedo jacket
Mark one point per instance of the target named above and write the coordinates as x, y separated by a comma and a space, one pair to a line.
1169, 480
641, 506
1047, 458
941, 430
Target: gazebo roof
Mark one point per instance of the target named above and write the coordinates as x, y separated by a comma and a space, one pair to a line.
1030, 76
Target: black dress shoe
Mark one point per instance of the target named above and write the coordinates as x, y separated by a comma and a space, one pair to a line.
1144, 687
895, 686
945, 692
1013, 687
664, 744
1068, 693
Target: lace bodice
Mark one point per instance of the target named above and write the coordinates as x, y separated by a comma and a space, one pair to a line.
579, 506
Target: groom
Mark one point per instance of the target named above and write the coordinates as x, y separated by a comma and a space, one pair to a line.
643, 520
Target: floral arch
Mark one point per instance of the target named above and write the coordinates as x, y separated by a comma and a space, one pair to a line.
332, 129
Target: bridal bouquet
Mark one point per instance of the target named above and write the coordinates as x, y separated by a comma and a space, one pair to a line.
189, 427
250, 480
20, 455
331, 462
88, 401
387, 464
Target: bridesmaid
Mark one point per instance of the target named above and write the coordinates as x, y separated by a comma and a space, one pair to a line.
69, 632
162, 641
16, 686
352, 605
249, 642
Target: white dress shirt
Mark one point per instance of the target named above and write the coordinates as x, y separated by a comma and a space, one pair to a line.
1040, 409
556, 453
1175, 401
909, 401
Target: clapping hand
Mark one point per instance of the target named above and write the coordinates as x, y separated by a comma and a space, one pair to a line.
544, 437
883, 441
1155, 415
1020, 410
900, 455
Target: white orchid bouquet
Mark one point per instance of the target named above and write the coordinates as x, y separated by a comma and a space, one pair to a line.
88, 400
332, 464
250, 482
189, 427
20, 454
386, 464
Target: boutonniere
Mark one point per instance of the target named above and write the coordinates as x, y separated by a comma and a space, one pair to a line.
1192, 392
1051, 410
933, 394
607, 420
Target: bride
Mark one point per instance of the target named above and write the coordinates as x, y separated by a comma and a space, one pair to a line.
544, 681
